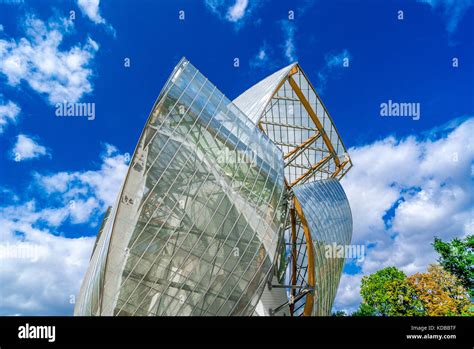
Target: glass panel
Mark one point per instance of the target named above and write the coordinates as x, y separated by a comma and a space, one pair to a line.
329, 218
201, 212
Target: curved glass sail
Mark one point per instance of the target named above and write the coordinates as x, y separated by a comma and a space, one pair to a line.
328, 216
223, 199
196, 227
90, 295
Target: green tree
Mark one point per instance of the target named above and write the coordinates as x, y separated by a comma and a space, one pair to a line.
389, 294
457, 257
339, 313
364, 310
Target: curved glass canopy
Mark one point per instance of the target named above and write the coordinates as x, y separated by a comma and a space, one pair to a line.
197, 224
226, 207
324, 207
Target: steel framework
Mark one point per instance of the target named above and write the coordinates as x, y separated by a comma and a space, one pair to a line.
226, 206
287, 108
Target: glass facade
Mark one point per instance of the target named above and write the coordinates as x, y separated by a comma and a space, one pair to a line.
205, 222
327, 212
198, 221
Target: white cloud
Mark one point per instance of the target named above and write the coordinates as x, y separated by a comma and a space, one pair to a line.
91, 9
45, 279
8, 113
452, 11
402, 194
234, 11
61, 75
42, 278
237, 11
70, 185
262, 58
348, 293
334, 63
26, 148
337, 60
289, 30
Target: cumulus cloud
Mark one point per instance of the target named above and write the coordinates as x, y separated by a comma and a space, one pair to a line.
42, 263
71, 185
233, 11
334, 63
9, 112
348, 294
91, 9
452, 11
38, 59
41, 270
237, 11
26, 148
403, 192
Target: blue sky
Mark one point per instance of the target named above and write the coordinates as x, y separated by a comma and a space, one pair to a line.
412, 179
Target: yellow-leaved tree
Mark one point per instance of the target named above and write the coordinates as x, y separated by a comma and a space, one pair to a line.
440, 292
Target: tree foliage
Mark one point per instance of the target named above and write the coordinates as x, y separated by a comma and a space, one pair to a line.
389, 294
440, 292
339, 313
443, 290
364, 310
457, 257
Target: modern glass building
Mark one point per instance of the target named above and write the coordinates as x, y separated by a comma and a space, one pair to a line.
226, 207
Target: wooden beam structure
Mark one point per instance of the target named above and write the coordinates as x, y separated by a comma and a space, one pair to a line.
308, 307
313, 168
313, 117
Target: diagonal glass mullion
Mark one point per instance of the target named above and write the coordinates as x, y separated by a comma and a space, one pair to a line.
221, 267
171, 134
229, 255
151, 191
257, 273
175, 204
217, 133
208, 223
210, 220
257, 251
164, 171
